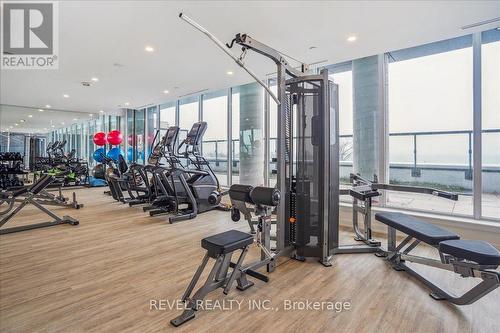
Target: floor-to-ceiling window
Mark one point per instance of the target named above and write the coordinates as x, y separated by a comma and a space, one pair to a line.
91, 146
152, 126
235, 137
140, 135
430, 124
490, 76
215, 139
131, 137
188, 114
167, 115
341, 75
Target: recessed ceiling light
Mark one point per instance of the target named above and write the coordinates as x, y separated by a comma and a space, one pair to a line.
75, 119
53, 126
101, 111
48, 106
351, 38
127, 103
149, 49
166, 91
95, 79
229, 73
40, 110
22, 120
30, 116
62, 122
16, 124
66, 96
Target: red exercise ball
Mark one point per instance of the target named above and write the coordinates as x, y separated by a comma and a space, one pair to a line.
100, 138
115, 137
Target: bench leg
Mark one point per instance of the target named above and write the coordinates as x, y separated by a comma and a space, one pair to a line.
491, 281
210, 285
195, 278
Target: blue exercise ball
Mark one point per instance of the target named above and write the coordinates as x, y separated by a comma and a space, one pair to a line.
114, 153
98, 155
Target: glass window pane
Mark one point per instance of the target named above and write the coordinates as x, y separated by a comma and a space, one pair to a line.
430, 125
152, 128
215, 139
167, 115
235, 144
343, 78
490, 53
188, 112
140, 135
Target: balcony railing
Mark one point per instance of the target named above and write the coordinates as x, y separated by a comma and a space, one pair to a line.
216, 152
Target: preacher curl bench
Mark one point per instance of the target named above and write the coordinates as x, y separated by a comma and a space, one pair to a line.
469, 258
30, 194
221, 248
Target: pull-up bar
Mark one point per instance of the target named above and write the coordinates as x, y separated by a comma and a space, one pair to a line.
235, 58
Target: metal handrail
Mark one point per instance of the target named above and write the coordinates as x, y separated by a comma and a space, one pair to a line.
415, 170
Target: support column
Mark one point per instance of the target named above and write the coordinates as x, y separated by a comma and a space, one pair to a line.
368, 111
251, 134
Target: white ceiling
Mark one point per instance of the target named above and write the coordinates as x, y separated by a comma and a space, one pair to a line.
32, 120
95, 35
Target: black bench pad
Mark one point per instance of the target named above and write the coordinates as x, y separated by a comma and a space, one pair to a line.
421, 230
478, 251
226, 242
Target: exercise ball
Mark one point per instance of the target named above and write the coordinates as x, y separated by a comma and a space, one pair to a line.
115, 137
100, 138
114, 153
98, 155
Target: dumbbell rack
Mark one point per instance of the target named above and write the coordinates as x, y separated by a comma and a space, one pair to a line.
10, 169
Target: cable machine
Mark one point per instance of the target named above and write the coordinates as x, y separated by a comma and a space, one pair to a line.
307, 154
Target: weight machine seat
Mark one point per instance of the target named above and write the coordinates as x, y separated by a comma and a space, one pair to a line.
421, 230
226, 242
480, 252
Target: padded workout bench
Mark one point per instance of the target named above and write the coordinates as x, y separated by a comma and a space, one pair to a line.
469, 258
30, 196
221, 248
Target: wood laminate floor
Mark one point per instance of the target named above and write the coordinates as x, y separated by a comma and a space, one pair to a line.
101, 276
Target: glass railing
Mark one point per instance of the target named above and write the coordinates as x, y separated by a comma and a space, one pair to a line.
420, 158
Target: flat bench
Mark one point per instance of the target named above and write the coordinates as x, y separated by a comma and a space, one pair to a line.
469, 258
226, 242
417, 228
447, 242
221, 248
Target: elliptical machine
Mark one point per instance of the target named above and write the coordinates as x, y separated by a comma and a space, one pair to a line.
197, 187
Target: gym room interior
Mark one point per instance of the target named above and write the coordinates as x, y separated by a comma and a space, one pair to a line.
263, 166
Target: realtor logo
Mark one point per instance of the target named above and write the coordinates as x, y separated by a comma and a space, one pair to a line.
29, 35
